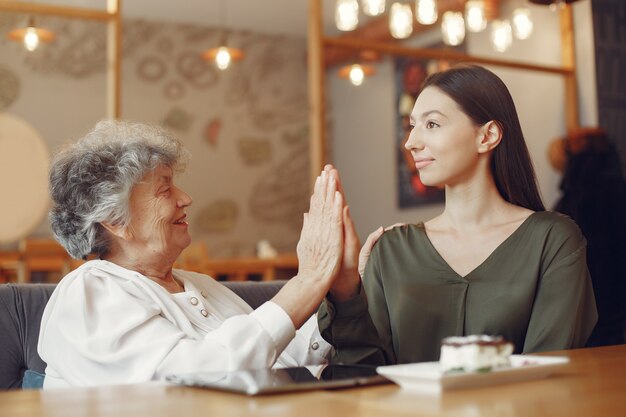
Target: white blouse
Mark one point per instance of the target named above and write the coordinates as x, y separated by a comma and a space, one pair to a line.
105, 325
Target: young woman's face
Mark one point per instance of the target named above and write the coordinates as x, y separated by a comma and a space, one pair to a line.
158, 219
443, 140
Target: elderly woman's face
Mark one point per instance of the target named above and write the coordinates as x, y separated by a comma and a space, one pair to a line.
158, 218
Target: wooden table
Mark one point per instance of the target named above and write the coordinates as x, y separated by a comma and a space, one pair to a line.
593, 385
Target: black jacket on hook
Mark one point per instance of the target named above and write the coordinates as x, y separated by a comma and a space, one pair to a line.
594, 195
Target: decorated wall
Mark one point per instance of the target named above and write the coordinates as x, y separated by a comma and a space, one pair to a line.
246, 127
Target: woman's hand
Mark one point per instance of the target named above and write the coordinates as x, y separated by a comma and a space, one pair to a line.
347, 283
371, 240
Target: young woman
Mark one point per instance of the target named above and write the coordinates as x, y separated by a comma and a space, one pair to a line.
493, 262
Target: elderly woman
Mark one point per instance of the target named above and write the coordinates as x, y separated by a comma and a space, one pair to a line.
127, 316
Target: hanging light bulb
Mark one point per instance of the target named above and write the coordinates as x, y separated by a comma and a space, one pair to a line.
222, 58
356, 73
31, 36
475, 15
426, 11
373, 7
347, 15
453, 28
522, 23
501, 35
400, 21
223, 55
31, 39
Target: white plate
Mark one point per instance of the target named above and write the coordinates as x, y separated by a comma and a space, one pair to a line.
427, 377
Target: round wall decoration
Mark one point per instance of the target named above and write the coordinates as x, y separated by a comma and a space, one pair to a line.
24, 162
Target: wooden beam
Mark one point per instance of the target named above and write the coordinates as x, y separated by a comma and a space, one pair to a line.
568, 58
446, 54
317, 117
49, 10
114, 60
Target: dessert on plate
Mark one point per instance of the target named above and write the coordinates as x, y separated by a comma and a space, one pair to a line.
475, 353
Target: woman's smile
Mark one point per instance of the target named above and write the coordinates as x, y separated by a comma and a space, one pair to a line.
421, 163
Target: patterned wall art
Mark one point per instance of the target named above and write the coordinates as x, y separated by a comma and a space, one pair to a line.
178, 119
255, 151
9, 87
80, 47
267, 86
218, 217
212, 132
246, 128
282, 193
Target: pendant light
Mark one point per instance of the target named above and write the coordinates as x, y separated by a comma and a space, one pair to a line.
501, 35
400, 20
223, 55
453, 28
426, 11
475, 15
522, 23
31, 36
347, 15
373, 7
356, 73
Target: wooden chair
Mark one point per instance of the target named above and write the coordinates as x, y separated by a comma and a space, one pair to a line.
43, 255
10, 265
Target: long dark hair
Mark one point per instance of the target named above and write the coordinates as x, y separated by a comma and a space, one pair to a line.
483, 97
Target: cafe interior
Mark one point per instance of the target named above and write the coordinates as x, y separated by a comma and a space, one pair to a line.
263, 94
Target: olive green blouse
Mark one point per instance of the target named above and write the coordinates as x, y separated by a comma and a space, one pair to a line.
534, 289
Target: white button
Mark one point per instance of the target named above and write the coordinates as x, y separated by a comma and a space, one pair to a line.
204, 312
315, 346
193, 301
203, 293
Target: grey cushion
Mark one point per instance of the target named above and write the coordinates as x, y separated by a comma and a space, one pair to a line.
21, 307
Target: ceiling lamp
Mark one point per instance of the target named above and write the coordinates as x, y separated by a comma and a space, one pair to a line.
347, 15
501, 35
522, 23
453, 28
453, 23
475, 15
31, 36
400, 21
356, 73
223, 55
426, 11
373, 7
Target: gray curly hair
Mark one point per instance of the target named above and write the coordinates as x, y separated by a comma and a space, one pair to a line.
91, 181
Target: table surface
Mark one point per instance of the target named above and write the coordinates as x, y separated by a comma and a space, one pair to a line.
593, 384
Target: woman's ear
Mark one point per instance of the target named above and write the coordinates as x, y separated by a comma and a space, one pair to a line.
490, 136
116, 230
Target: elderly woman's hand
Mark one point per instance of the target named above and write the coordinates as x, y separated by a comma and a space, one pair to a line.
320, 247
320, 251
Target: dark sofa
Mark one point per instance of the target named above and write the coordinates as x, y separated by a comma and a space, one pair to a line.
21, 307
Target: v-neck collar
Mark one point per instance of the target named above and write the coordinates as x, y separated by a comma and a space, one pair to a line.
498, 248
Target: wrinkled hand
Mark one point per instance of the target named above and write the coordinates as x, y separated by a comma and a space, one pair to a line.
371, 240
320, 247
